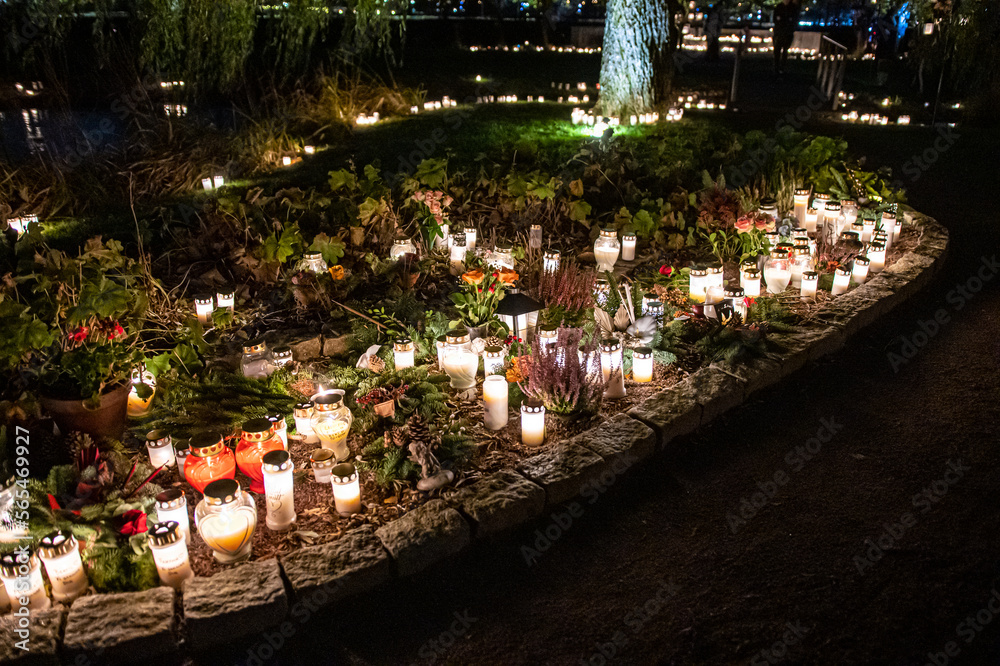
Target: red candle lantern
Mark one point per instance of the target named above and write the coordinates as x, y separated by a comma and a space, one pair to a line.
210, 460
257, 439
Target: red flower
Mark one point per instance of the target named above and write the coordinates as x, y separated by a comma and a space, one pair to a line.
666, 270
115, 330
749, 300
53, 504
134, 522
79, 334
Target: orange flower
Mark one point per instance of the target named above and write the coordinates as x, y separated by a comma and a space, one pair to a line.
508, 276
515, 374
472, 277
337, 272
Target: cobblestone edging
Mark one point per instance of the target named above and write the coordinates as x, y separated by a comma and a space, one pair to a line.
245, 600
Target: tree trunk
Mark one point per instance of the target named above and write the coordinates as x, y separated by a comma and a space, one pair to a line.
636, 62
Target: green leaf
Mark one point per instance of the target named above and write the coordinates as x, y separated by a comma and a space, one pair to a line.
579, 210
342, 179
332, 249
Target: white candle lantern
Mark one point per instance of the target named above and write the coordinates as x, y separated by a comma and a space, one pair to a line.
495, 401
611, 368
811, 218
550, 261
889, 225
309, 150
655, 309
832, 215
841, 280
402, 353
278, 471
628, 247
470, 238
602, 290
801, 262
859, 270
60, 553
203, 306
493, 360
303, 422
171, 505
698, 284
400, 248
876, 252
642, 365
535, 237
282, 355
206, 183
850, 237
777, 270
286, 160
226, 518
458, 251
280, 428
346, 489
226, 298
736, 296
548, 335
461, 364
503, 256
867, 229
218, 181
809, 284
750, 281
444, 240
441, 343
897, 230
819, 203
170, 553
646, 298
606, 249
801, 203
532, 423
182, 449
313, 262
138, 406
22, 578
160, 449
321, 461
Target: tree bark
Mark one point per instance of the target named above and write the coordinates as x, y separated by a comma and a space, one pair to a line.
636, 61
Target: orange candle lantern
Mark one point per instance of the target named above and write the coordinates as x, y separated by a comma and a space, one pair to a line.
257, 439
210, 460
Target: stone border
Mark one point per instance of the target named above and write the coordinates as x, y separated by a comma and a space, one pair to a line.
253, 597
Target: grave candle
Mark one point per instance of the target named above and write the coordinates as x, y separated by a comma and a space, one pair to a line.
321, 461
346, 489
750, 281
402, 353
60, 553
642, 365
226, 518
812, 215
495, 400
859, 271
698, 284
628, 247
535, 237
810, 281
159, 448
303, 422
278, 490
171, 505
203, 308
532, 423
606, 249
841, 280
22, 577
550, 261
611, 368
492, 360
170, 553
470, 238
801, 203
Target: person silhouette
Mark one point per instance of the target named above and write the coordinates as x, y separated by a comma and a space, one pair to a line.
786, 20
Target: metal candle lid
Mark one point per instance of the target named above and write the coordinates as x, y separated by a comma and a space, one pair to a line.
862, 260
9, 565
343, 473
283, 353
157, 439
276, 461
327, 402
802, 191
171, 498
493, 352
206, 444
203, 299
223, 491
303, 409
321, 458
257, 430
532, 407
609, 233
733, 292
610, 344
751, 273
628, 236
810, 275
833, 205
56, 543
699, 272
551, 254
642, 352
403, 345
165, 533
457, 337
254, 346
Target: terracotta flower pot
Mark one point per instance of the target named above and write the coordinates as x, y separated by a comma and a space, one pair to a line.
105, 422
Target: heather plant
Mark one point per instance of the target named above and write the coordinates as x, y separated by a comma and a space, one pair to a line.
567, 294
565, 381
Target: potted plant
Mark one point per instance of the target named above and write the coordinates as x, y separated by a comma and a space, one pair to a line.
478, 299
71, 328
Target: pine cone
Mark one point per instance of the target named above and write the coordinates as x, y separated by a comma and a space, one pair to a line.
418, 430
376, 364
398, 437
494, 341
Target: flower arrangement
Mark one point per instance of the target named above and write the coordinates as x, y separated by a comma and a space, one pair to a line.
566, 382
72, 323
480, 294
568, 294
431, 206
